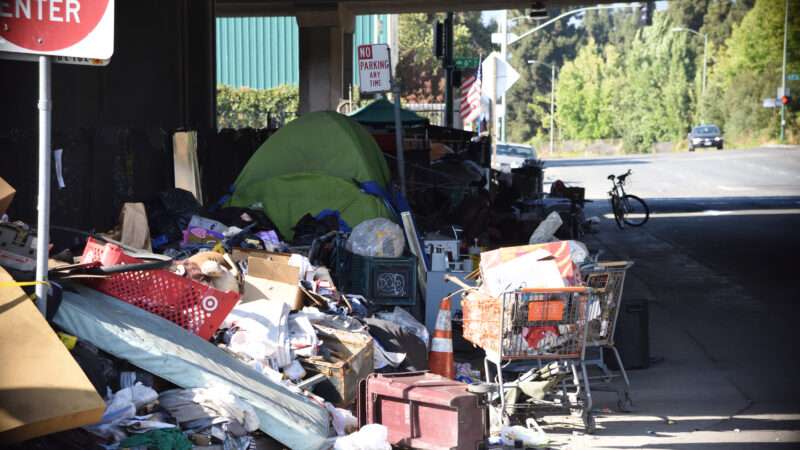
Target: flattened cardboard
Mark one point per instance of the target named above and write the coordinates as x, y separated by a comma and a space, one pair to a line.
6, 195
42, 388
271, 277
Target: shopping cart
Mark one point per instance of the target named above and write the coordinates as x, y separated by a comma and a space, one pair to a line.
607, 280
546, 326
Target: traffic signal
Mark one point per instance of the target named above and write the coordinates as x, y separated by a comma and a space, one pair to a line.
438, 39
785, 100
647, 12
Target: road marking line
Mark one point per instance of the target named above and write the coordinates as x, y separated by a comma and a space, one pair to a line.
713, 213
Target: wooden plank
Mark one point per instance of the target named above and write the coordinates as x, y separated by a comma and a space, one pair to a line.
42, 388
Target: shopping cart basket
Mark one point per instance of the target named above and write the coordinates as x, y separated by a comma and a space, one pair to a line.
547, 326
607, 280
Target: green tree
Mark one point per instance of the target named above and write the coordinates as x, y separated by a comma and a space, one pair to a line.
750, 70
584, 104
254, 108
420, 73
529, 98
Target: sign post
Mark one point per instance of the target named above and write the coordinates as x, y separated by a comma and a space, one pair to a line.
375, 76
77, 30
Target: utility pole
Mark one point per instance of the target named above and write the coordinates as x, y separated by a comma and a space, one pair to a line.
504, 57
783, 70
552, 103
448, 70
552, 100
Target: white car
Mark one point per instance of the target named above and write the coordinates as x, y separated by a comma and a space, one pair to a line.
512, 156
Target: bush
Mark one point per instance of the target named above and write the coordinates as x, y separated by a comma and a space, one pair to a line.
255, 108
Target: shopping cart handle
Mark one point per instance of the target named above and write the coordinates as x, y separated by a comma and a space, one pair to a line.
560, 290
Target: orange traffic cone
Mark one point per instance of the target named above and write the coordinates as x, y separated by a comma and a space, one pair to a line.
440, 358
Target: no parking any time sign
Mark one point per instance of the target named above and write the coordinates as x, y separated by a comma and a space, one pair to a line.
71, 28
374, 68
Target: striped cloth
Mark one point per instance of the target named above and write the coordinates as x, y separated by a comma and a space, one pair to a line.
471, 97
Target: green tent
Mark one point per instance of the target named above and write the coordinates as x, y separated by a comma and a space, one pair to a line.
381, 112
287, 198
309, 166
321, 142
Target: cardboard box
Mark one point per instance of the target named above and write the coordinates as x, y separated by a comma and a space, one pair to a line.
6, 195
270, 276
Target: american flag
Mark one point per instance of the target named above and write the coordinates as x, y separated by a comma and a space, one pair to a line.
471, 97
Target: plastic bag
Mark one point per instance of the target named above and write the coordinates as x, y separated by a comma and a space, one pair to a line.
370, 437
377, 237
528, 437
344, 421
403, 318
546, 229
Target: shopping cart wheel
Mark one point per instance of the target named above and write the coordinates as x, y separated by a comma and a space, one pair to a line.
588, 422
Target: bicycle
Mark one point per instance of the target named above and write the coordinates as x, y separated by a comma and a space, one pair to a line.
628, 209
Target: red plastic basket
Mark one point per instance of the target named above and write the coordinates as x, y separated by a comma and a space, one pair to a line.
194, 306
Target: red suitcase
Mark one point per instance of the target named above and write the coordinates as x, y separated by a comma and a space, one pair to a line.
423, 410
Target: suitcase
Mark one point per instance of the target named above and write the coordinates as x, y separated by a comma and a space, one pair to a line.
423, 410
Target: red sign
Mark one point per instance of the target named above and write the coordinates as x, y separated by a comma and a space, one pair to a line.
78, 28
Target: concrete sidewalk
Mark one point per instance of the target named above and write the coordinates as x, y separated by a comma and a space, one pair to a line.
686, 399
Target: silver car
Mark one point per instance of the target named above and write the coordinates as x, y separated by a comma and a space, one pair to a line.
512, 156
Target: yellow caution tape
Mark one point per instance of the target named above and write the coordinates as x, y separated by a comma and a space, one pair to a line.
69, 340
22, 283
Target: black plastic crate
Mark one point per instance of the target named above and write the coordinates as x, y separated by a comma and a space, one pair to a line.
385, 281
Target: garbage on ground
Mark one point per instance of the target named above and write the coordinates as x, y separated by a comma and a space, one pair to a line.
369, 437
545, 231
377, 237
265, 314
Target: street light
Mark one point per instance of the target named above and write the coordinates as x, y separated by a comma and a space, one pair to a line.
505, 42
552, 99
705, 51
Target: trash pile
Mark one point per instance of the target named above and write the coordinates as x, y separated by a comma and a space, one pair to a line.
206, 329
304, 310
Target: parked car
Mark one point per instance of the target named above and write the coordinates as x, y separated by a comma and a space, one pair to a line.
705, 136
512, 155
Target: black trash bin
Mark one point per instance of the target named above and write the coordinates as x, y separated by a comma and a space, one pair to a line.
632, 336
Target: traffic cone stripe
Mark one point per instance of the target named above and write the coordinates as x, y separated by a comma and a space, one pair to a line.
443, 321
444, 334
440, 358
444, 345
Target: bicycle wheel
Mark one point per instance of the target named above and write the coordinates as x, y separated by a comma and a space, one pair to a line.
616, 208
635, 210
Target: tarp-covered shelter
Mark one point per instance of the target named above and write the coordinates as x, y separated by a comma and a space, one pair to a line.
381, 112
313, 164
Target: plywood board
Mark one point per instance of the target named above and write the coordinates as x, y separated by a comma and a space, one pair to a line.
42, 388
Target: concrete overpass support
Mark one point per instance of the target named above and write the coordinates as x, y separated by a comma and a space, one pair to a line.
326, 58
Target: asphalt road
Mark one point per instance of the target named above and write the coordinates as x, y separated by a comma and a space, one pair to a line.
720, 261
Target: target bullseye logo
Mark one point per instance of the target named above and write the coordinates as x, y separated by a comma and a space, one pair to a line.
210, 303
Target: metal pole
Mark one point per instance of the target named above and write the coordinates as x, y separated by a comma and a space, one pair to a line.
504, 57
448, 71
705, 61
398, 139
43, 203
552, 102
783, 70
